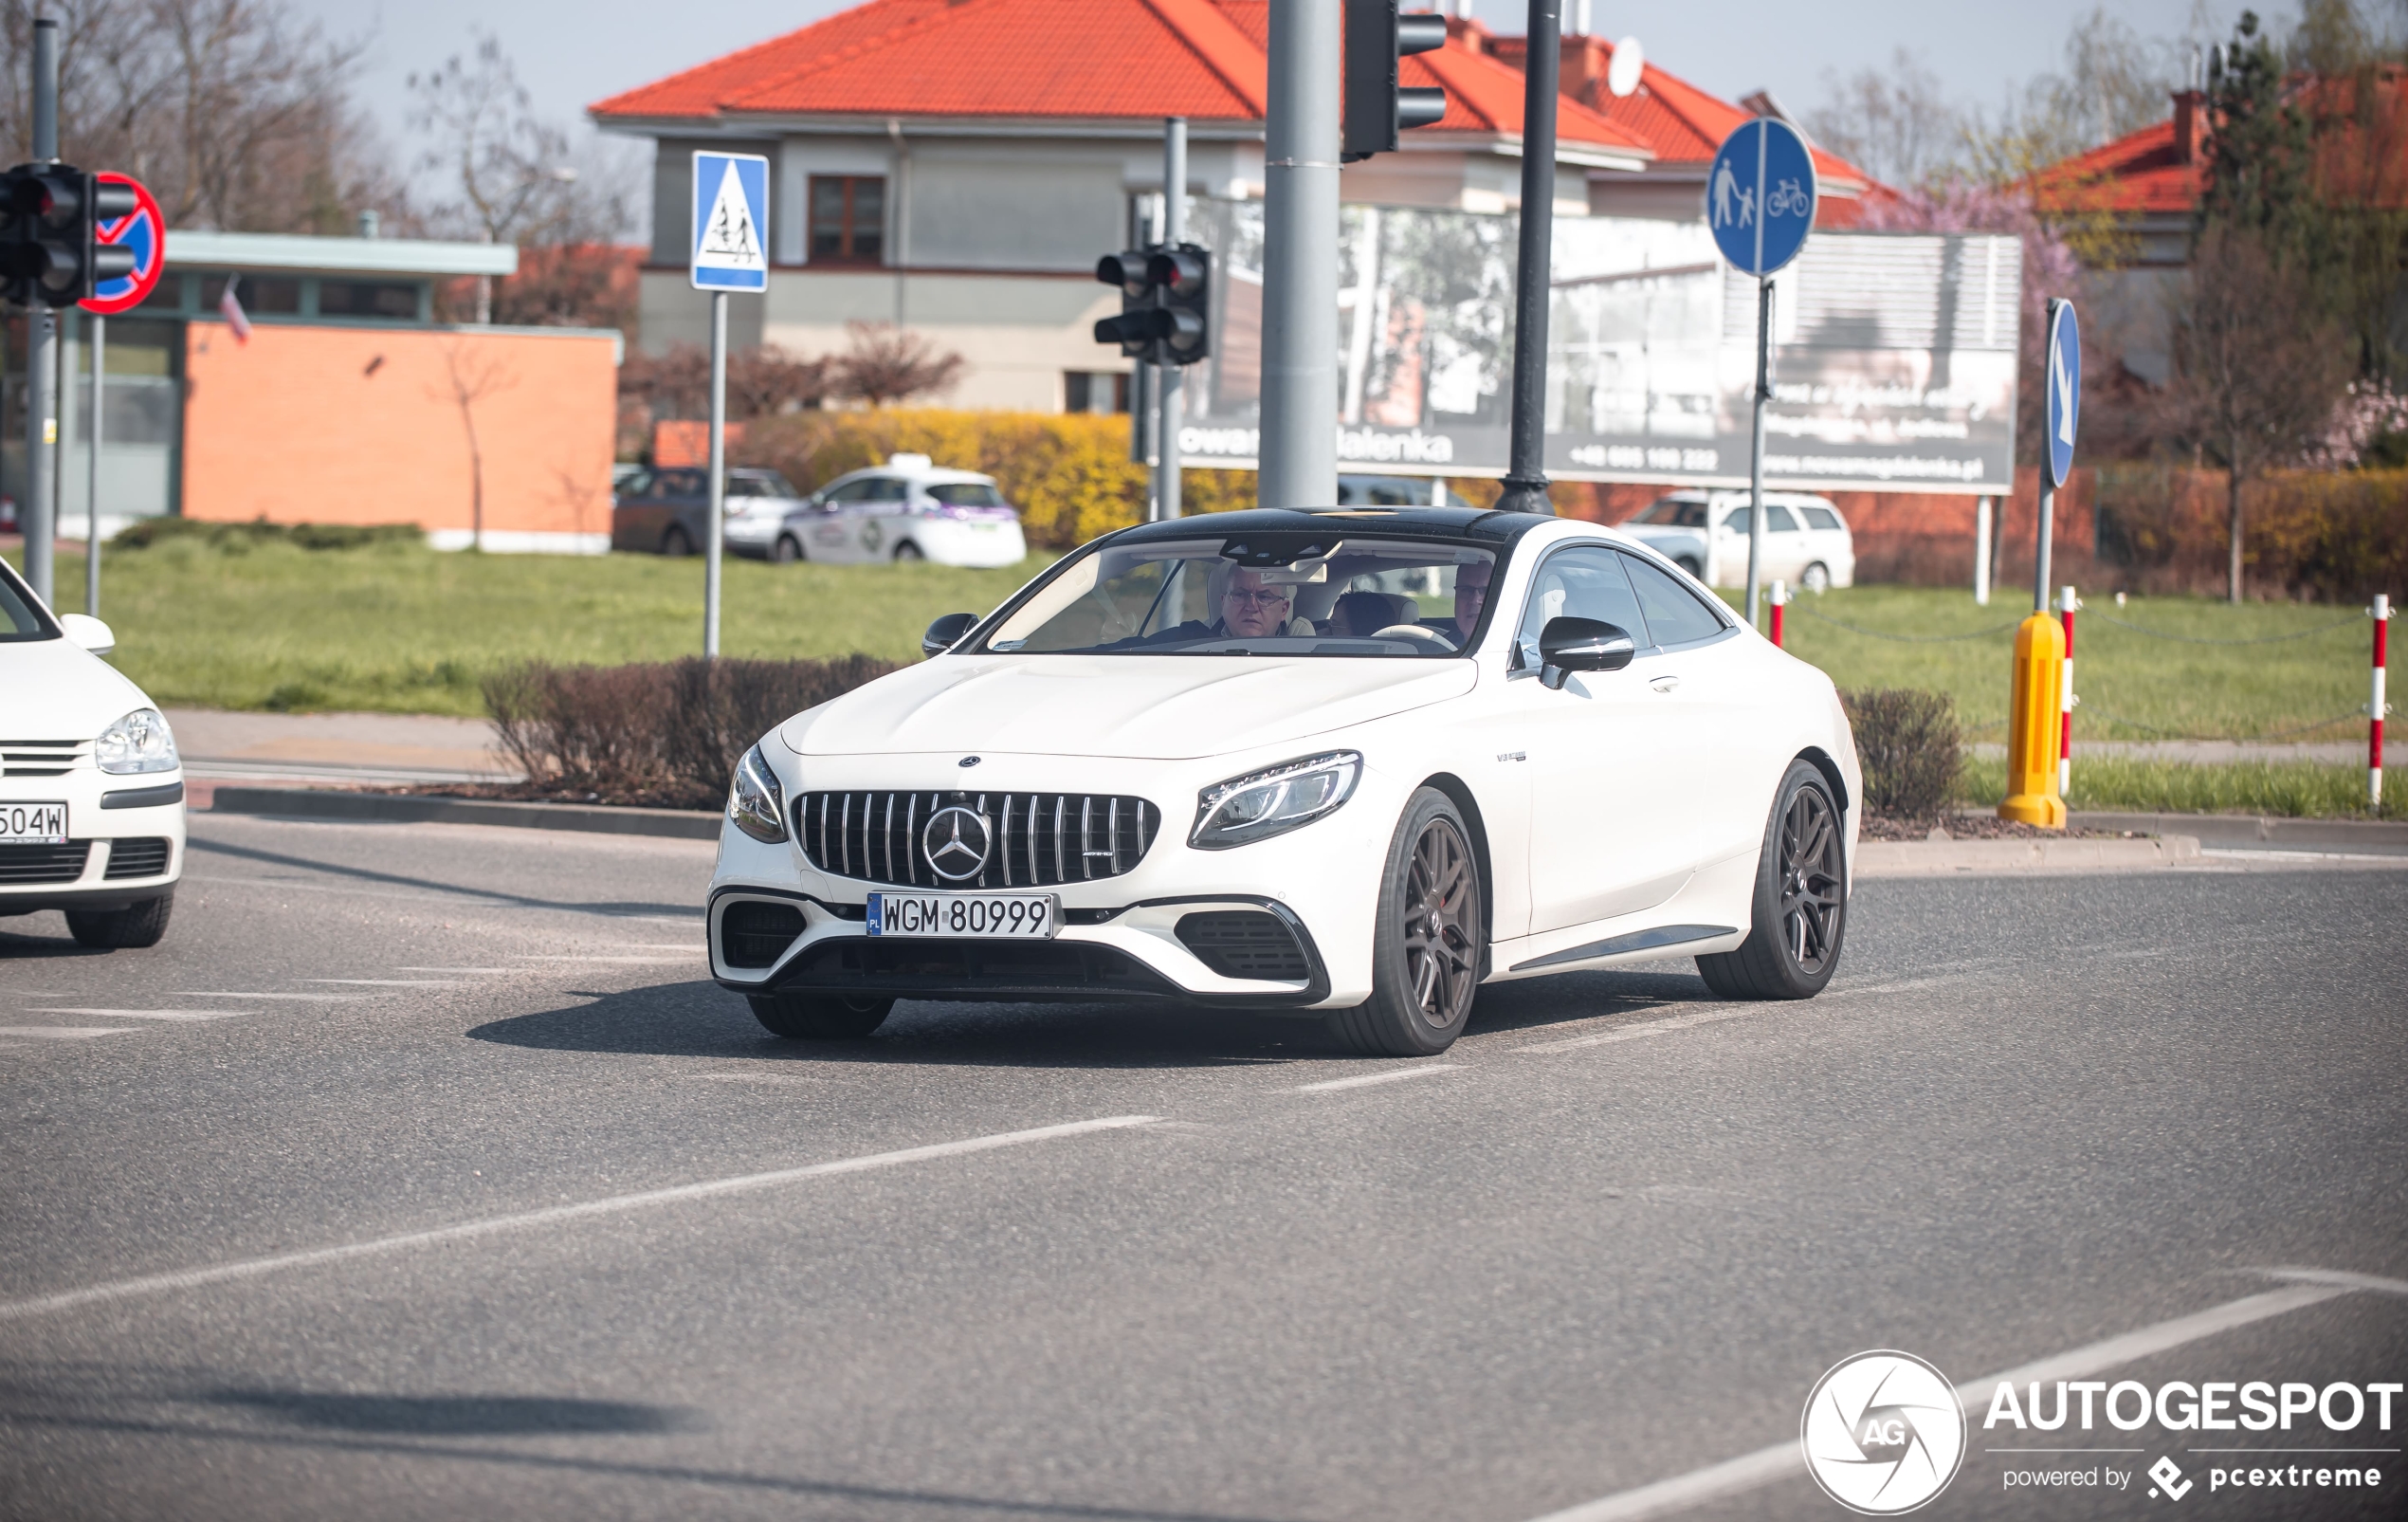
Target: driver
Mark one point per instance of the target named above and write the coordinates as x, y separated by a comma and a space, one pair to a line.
1250, 608
1472, 594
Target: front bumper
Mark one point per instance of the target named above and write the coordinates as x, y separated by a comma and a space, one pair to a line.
118, 829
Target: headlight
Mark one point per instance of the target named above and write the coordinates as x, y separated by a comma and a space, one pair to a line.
756, 803
1261, 804
138, 742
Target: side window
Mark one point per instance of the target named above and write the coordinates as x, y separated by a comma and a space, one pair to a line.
1674, 613
1776, 519
850, 491
1585, 581
1821, 518
886, 488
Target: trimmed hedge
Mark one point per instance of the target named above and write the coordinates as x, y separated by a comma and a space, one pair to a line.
1910, 748
238, 537
662, 733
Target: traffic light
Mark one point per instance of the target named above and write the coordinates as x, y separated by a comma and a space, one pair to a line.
1377, 108
51, 248
1166, 294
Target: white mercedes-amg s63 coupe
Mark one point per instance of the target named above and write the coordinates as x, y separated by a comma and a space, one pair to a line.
1351, 763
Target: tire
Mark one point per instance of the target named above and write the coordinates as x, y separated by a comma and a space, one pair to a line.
907, 553
1800, 899
1422, 983
1692, 567
1816, 579
819, 1017
788, 550
675, 543
126, 929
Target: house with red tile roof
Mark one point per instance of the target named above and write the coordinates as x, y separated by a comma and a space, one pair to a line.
956, 166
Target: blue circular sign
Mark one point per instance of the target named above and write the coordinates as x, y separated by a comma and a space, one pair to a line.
2065, 387
1760, 195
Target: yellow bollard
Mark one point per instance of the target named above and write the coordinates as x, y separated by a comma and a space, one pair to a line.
2036, 725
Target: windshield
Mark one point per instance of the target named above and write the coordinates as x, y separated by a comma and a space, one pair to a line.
20, 620
1280, 594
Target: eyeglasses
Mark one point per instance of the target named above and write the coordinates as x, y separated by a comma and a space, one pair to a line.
1255, 599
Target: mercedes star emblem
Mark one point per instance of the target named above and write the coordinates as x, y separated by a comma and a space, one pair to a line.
955, 842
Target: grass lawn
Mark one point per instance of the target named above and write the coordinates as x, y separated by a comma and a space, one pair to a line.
403, 628
2307, 790
2132, 685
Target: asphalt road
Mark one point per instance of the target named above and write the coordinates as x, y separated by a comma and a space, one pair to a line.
421, 1173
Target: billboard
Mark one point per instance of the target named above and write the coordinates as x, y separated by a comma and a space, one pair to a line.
1894, 354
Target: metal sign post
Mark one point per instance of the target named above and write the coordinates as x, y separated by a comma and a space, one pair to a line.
1759, 205
730, 253
1166, 429
93, 426
40, 525
1525, 482
1299, 448
2065, 416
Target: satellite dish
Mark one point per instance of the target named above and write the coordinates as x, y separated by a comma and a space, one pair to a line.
1622, 74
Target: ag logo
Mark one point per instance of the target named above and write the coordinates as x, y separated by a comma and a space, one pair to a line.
955, 841
1883, 1433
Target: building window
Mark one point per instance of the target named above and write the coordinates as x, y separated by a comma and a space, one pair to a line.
167, 296
389, 300
261, 295
848, 219
1095, 391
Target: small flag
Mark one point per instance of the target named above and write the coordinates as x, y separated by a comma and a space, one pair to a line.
232, 311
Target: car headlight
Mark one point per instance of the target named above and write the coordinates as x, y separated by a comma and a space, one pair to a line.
756, 803
1273, 801
138, 742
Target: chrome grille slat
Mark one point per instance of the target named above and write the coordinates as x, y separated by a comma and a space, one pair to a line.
1036, 839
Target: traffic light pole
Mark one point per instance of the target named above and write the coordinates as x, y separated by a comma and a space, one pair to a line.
92, 427
1298, 455
41, 359
1166, 427
1525, 483
714, 528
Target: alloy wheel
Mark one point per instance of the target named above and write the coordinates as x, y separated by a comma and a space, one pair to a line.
1811, 879
1441, 924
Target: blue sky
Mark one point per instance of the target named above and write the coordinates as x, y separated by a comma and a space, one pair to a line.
570, 52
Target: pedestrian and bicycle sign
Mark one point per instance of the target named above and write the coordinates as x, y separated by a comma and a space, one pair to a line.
1760, 195
2065, 387
143, 231
731, 219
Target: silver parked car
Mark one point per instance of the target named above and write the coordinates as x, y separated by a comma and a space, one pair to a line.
907, 509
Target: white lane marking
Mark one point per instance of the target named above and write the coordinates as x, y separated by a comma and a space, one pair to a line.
147, 1013
1633, 1033
388, 983
57, 1033
2242, 854
312, 998
495, 972
698, 951
466, 900
1904, 985
2338, 1278
1370, 1078
1781, 1460
612, 1206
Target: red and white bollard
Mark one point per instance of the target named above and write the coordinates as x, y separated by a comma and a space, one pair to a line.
2374, 706
1780, 600
2065, 736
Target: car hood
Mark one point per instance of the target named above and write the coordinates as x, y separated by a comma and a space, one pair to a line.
1161, 708
59, 691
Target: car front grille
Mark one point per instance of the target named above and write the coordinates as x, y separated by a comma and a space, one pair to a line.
39, 758
1034, 840
142, 856
1245, 944
43, 863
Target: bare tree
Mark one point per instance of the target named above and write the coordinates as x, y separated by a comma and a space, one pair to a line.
472, 372
2115, 81
2258, 369
1898, 122
885, 363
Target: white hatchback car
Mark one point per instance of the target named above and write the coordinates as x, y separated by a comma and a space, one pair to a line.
1806, 540
91, 788
907, 509
1353, 763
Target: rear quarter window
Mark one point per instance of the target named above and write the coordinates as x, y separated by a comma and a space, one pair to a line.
1675, 616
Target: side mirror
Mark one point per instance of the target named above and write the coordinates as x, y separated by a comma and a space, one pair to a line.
946, 632
87, 631
1569, 644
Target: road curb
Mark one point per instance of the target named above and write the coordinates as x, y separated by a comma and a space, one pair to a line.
413, 808
2250, 830
2000, 858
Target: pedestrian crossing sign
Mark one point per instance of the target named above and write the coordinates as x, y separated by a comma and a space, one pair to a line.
731, 222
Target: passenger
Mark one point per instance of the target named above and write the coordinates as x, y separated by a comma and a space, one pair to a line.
1471, 594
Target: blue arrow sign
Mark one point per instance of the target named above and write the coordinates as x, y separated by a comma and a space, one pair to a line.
1760, 195
2065, 387
731, 222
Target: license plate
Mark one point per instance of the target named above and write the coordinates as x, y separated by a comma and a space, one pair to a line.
978, 916
34, 823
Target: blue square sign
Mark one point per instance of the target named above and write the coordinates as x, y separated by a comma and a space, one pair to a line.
731, 222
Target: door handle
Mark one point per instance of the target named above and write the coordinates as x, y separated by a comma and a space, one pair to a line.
1664, 684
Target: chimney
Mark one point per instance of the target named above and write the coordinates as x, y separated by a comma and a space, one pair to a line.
2190, 117
368, 224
